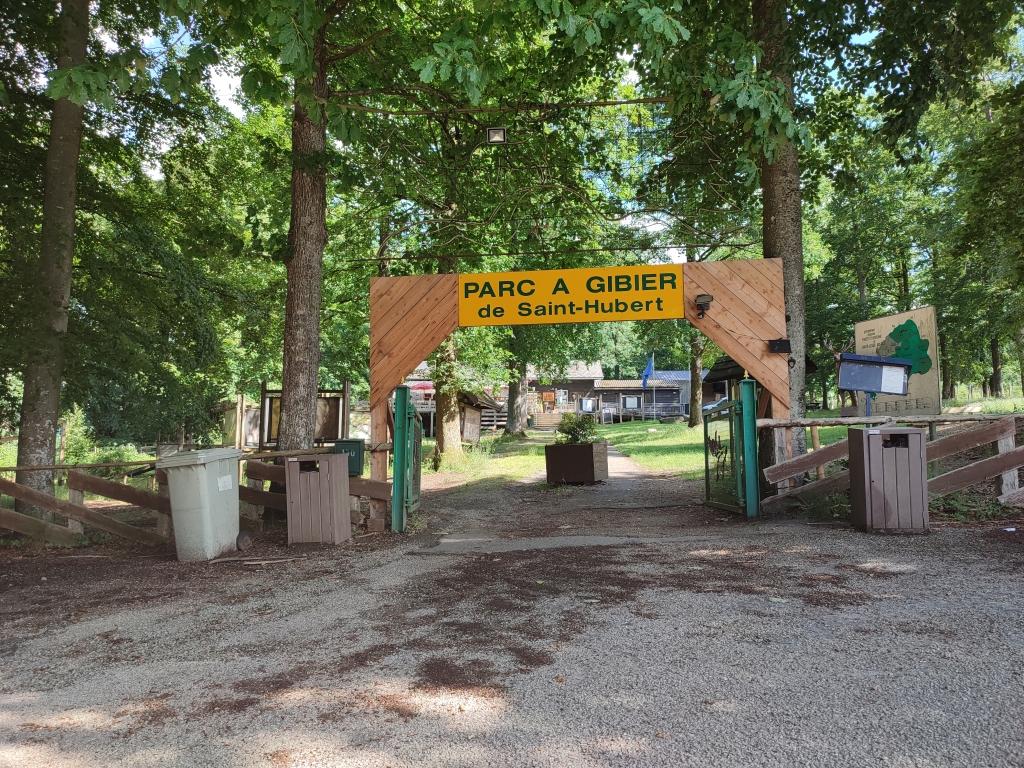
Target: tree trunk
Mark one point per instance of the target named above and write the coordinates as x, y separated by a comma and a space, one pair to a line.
984, 387
947, 377
518, 388
307, 238
40, 404
447, 428
780, 191
862, 286
1020, 357
997, 369
696, 382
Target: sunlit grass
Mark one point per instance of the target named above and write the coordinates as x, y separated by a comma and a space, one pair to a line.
669, 448
498, 458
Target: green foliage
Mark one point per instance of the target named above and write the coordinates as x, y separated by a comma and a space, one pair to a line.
576, 429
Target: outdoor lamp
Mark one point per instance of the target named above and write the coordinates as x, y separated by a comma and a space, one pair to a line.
497, 135
703, 302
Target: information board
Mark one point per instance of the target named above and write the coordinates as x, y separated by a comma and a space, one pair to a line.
912, 335
600, 294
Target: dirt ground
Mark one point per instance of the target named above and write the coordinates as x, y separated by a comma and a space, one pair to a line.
622, 624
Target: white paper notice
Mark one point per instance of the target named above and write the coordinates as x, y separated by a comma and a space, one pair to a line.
894, 381
224, 483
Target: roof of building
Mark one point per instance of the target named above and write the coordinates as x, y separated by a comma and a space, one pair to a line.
637, 384
479, 400
675, 375
576, 370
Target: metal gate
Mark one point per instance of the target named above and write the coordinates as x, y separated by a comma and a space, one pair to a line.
730, 453
405, 489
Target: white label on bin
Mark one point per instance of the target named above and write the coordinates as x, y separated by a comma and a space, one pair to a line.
224, 483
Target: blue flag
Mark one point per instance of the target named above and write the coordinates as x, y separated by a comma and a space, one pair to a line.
648, 372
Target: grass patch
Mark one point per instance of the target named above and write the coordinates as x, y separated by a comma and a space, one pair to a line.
496, 458
672, 448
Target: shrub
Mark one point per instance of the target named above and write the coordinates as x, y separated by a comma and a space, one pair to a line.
576, 429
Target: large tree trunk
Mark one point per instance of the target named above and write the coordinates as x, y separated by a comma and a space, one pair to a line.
40, 404
780, 190
997, 369
1020, 357
696, 382
518, 387
947, 377
307, 238
447, 427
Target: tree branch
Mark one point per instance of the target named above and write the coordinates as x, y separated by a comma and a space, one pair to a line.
356, 49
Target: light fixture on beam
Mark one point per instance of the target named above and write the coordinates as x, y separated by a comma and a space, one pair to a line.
497, 135
703, 302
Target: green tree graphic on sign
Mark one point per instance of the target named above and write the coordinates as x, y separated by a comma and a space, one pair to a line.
905, 341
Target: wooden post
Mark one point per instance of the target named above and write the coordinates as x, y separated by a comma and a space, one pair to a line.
378, 463
780, 455
163, 521
816, 445
346, 410
76, 496
263, 413
1008, 481
931, 436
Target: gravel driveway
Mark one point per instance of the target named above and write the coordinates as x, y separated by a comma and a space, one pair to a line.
622, 625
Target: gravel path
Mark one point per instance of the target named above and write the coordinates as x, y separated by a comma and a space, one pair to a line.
621, 625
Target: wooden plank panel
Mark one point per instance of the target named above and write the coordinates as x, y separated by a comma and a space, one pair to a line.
341, 517
750, 287
876, 490
422, 341
889, 488
771, 271
976, 473
429, 306
82, 514
422, 330
738, 304
423, 303
807, 462
903, 483
305, 518
964, 441
730, 334
88, 483
263, 498
37, 529
402, 295
918, 496
259, 471
374, 489
292, 495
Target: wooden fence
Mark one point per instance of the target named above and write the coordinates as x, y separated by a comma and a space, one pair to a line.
996, 429
256, 470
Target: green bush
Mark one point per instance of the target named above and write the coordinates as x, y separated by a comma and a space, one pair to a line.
576, 429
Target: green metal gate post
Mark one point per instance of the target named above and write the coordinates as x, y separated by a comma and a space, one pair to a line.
748, 398
401, 450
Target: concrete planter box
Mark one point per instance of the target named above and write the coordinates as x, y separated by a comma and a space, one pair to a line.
576, 464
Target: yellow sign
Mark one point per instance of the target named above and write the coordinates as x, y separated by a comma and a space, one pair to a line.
647, 292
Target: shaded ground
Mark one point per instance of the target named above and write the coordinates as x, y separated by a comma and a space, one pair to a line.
651, 631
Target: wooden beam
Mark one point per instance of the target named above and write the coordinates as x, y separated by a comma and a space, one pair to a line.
807, 462
263, 498
258, 471
82, 514
374, 489
975, 473
964, 441
831, 484
97, 485
38, 529
859, 421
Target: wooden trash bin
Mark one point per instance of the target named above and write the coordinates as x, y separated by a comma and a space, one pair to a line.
318, 499
889, 479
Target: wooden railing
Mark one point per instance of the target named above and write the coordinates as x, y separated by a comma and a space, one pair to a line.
997, 429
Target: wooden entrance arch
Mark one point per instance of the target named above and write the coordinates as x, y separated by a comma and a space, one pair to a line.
411, 316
